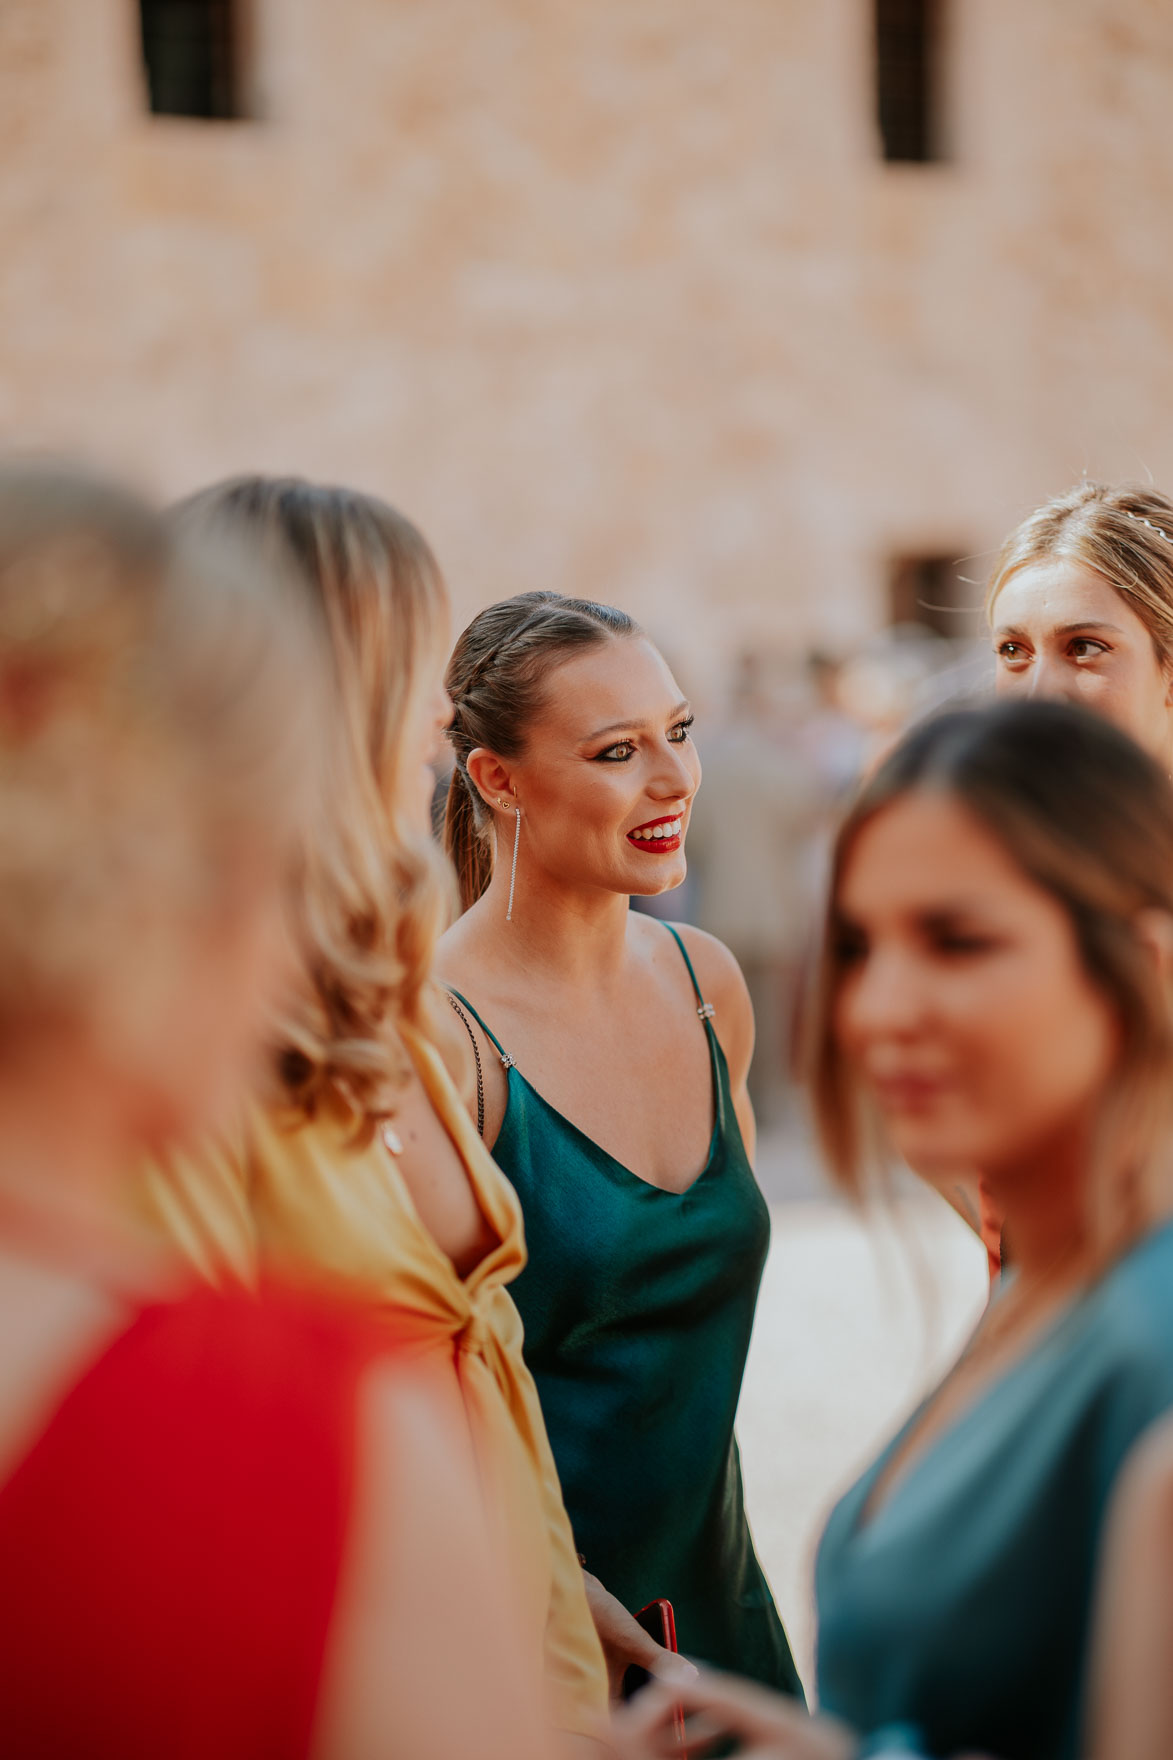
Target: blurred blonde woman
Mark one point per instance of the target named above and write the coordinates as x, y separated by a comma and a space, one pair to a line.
357, 1167
218, 1532
1080, 606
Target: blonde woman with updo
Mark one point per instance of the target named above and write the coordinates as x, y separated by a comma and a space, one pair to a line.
1080, 606
357, 1168
218, 1524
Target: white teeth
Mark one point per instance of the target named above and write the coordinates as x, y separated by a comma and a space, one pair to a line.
671, 829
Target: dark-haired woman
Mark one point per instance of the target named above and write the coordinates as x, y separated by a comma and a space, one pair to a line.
613, 1052
996, 994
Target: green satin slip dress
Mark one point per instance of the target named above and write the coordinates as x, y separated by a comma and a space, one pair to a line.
638, 1305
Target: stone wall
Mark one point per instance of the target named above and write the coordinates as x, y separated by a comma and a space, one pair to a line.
613, 296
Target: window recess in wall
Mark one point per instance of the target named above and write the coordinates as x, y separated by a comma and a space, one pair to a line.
908, 57
930, 590
192, 53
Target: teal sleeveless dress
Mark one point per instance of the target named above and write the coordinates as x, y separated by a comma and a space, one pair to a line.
963, 1605
638, 1305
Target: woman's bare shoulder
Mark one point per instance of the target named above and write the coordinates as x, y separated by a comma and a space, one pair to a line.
721, 983
458, 967
717, 972
1147, 1479
456, 950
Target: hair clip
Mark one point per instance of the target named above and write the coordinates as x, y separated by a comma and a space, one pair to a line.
1141, 520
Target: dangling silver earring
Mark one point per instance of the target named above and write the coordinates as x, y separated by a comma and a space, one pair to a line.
513, 869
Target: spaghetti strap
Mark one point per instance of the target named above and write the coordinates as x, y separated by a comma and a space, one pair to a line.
485, 1028
704, 1009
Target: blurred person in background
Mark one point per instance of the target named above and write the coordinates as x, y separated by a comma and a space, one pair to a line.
749, 838
830, 739
1080, 605
995, 993
218, 1522
357, 1168
614, 1051
1081, 608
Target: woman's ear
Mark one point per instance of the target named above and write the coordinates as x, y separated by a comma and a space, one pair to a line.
1155, 929
489, 777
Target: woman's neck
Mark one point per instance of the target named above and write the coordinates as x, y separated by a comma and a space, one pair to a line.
65, 1157
574, 934
1043, 1201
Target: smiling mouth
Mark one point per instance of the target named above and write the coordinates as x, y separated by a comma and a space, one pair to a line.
909, 1093
658, 836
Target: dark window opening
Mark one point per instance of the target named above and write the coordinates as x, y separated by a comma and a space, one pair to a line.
930, 591
908, 41
190, 48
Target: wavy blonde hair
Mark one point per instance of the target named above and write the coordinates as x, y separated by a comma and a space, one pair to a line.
145, 726
372, 892
1123, 532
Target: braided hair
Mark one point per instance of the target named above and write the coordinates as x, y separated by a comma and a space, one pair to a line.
496, 680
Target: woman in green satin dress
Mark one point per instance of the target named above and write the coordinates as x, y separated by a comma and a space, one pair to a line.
613, 1056
995, 995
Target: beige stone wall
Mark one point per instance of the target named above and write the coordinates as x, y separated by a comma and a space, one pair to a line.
612, 295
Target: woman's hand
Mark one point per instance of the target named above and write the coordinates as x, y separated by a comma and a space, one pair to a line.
626, 1644
718, 1707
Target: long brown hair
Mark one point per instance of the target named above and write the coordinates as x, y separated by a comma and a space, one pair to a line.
497, 680
1123, 532
1089, 817
372, 893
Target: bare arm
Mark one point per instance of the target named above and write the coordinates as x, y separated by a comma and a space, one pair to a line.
1131, 1703
722, 984
425, 1659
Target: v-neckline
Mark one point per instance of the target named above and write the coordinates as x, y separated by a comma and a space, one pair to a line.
864, 1518
514, 1073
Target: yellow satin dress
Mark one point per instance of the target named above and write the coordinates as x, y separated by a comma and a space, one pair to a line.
306, 1201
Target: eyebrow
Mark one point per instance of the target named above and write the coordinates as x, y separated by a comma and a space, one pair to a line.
633, 726
930, 916
1066, 629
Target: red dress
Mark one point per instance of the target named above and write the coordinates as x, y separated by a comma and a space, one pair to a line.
170, 1547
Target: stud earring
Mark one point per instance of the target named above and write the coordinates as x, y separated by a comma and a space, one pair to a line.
516, 844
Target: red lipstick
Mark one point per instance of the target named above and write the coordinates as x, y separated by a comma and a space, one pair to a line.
658, 836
